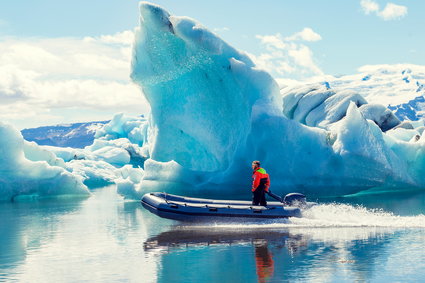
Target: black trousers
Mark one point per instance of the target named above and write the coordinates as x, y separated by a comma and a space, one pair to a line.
259, 196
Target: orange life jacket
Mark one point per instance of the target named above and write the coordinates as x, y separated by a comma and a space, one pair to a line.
260, 178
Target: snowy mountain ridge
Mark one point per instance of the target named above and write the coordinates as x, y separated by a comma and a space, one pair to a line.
76, 135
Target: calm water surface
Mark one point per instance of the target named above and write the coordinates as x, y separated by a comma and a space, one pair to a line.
105, 239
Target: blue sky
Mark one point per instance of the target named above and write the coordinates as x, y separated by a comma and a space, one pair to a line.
80, 44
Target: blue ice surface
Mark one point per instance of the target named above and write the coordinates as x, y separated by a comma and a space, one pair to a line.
27, 171
214, 112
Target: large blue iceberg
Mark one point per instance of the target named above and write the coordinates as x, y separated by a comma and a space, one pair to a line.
213, 112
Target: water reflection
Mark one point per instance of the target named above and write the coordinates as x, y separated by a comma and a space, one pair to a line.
105, 239
263, 261
267, 255
91, 240
187, 236
28, 225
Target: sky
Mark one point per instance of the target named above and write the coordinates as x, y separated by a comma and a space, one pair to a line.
69, 61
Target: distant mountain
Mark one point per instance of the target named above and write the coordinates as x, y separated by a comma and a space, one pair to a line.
77, 135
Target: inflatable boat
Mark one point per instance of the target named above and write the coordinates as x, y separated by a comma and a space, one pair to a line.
197, 209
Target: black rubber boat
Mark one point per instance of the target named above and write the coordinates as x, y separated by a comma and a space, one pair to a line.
198, 209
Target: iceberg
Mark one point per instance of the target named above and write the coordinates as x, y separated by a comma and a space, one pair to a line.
317, 105
29, 171
213, 112
188, 74
399, 87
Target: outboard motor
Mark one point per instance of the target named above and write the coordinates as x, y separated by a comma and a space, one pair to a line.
295, 199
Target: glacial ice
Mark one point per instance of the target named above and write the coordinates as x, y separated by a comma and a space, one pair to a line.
381, 115
400, 87
29, 171
317, 105
213, 112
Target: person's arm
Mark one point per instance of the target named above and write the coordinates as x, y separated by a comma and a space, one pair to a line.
267, 184
255, 182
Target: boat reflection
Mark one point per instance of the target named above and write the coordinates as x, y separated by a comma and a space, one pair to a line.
264, 255
186, 236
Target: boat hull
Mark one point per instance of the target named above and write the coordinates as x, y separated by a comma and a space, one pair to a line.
198, 210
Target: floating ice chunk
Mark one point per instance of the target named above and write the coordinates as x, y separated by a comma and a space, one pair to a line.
123, 126
128, 189
95, 173
163, 171
67, 153
118, 152
35, 152
20, 177
113, 155
135, 175
129, 185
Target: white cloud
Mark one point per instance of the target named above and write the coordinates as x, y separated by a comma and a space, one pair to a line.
303, 56
285, 57
272, 41
369, 6
393, 12
125, 38
307, 34
390, 12
45, 81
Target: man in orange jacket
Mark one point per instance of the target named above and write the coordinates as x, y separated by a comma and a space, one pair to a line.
260, 184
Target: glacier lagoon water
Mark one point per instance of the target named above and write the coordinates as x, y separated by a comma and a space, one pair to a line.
105, 239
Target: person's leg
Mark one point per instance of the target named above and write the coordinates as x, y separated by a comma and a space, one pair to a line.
256, 197
263, 201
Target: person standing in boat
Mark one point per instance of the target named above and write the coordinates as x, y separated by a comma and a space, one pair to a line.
260, 184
